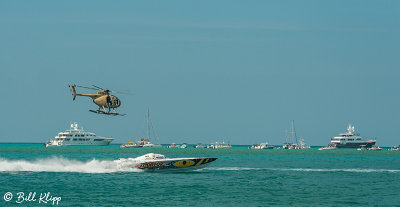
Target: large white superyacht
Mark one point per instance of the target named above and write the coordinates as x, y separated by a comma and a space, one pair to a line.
351, 140
78, 137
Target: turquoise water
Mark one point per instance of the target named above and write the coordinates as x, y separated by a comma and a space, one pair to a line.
87, 176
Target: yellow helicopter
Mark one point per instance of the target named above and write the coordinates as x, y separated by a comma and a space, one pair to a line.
103, 99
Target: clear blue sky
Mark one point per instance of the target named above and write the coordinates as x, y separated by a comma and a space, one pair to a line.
209, 71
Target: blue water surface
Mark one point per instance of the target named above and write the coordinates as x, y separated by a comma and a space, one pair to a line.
88, 176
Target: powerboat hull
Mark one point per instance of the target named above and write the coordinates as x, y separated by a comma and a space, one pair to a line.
177, 164
160, 162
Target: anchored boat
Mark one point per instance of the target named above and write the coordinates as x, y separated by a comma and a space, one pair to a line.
263, 145
78, 137
220, 145
351, 140
144, 142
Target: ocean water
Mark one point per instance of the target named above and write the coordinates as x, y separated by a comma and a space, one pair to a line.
88, 176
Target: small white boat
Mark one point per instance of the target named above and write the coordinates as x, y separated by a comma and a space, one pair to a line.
173, 145
220, 145
375, 148
141, 143
370, 148
302, 144
329, 147
289, 146
183, 145
146, 143
153, 161
199, 145
395, 148
130, 144
263, 145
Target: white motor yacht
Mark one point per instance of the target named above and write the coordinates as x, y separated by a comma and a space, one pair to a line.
351, 140
78, 137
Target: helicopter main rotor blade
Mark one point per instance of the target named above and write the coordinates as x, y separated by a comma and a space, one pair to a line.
98, 88
106, 90
123, 92
87, 87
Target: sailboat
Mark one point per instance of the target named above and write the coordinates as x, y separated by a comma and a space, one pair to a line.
150, 129
145, 142
290, 136
292, 142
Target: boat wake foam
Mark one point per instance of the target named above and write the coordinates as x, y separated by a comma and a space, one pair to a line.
235, 168
58, 164
356, 170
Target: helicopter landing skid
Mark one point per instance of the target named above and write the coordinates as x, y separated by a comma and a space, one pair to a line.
106, 113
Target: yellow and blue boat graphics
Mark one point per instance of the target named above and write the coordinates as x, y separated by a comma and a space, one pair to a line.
159, 162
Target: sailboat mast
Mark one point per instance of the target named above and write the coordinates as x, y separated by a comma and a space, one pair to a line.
293, 132
286, 136
148, 123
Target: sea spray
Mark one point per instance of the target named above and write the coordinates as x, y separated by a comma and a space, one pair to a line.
60, 164
354, 170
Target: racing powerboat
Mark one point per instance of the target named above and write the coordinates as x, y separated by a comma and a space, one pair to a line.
153, 161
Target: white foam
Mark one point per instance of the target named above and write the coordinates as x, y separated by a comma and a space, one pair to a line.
59, 164
234, 168
356, 170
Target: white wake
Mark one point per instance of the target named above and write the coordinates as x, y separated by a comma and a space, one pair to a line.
355, 170
59, 164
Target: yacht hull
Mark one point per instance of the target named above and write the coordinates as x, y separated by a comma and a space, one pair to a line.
72, 143
355, 145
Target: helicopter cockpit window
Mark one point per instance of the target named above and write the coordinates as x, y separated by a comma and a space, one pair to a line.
115, 101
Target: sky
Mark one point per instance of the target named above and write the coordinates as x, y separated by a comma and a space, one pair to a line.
233, 71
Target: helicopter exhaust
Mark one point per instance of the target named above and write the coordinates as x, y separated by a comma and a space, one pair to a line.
73, 91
